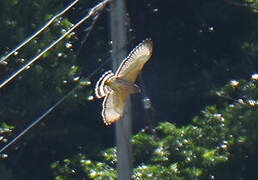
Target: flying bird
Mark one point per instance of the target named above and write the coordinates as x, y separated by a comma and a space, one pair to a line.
116, 87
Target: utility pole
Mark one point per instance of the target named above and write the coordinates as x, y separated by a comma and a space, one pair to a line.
123, 126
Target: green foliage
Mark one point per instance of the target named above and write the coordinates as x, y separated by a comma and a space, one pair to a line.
213, 140
25, 97
52, 75
79, 166
5, 130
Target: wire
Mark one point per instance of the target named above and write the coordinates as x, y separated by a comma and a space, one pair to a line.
2, 61
50, 109
92, 12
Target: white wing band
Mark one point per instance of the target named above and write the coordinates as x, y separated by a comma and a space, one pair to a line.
101, 89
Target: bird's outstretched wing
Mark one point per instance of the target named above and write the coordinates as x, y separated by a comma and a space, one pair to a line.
113, 106
133, 64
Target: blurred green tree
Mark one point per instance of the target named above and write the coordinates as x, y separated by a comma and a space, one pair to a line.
214, 146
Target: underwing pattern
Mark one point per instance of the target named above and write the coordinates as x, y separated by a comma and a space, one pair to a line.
115, 88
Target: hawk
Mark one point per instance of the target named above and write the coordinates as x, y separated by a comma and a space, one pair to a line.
116, 87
